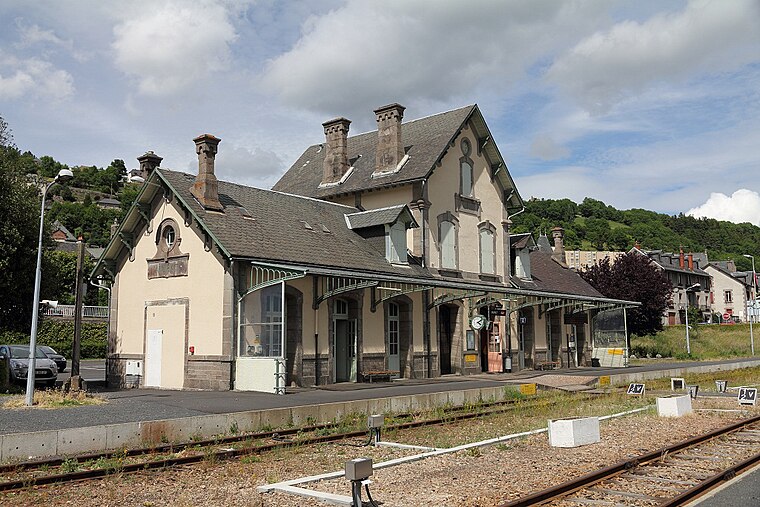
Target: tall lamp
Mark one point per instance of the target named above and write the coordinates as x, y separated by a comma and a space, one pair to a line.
754, 297
688, 344
64, 175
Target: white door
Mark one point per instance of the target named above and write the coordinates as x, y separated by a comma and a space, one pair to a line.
153, 347
393, 337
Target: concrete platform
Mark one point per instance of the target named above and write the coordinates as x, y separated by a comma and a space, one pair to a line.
136, 416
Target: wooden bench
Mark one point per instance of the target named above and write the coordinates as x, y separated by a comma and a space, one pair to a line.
548, 365
373, 375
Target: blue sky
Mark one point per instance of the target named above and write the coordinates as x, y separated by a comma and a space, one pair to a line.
652, 104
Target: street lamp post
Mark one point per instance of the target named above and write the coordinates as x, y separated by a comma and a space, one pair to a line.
688, 344
754, 296
63, 176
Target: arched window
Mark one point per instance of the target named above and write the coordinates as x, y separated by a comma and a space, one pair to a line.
487, 257
465, 169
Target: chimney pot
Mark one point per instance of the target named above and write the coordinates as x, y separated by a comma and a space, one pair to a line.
558, 233
148, 163
335, 165
691, 261
681, 261
390, 149
206, 186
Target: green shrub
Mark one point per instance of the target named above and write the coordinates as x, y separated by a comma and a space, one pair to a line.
59, 334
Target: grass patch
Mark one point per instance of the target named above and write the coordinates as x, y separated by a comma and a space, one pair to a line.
708, 341
55, 398
706, 381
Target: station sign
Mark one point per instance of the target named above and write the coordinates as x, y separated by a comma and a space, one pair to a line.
498, 312
747, 396
576, 318
636, 389
528, 389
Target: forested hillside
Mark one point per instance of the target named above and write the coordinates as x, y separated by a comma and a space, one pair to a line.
594, 225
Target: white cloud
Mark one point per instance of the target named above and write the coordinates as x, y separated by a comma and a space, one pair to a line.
705, 36
31, 35
170, 47
255, 167
546, 148
33, 77
367, 53
742, 206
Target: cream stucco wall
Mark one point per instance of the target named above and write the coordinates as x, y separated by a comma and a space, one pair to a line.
720, 284
442, 186
203, 288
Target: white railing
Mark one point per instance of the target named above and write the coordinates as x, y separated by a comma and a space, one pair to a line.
88, 312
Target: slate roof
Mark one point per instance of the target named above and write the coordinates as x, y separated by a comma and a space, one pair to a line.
548, 275
272, 226
670, 261
519, 241
376, 217
425, 141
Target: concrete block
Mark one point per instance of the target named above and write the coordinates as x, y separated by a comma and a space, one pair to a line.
78, 440
247, 422
401, 404
276, 417
29, 445
307, 414
471, 396
123, 435
456, 398
574, 432
674, 406
335, 411
378, 406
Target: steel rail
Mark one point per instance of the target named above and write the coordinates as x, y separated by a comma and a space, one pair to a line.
178, 446
223, 454
582, 482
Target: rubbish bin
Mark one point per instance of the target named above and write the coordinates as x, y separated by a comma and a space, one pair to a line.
595, 362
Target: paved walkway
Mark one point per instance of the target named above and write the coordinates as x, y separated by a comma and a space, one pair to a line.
133, 405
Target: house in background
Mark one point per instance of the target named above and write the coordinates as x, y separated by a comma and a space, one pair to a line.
731, 290
383, 253
692, 285
581, 259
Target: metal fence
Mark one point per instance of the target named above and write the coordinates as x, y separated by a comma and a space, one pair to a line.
67, 311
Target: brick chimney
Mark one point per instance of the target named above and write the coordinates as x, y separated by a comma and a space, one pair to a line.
558, 233
336, 150
390, 149
637, 245
206, 187
148, 163
681, 262
691, 261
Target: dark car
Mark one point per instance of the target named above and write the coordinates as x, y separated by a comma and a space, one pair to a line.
45, 370
59, 360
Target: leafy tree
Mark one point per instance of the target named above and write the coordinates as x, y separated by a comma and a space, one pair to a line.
598, 232
633, 277
619, 240
111, 178
19, 229
6, 136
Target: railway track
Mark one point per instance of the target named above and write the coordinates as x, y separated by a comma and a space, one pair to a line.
670, 476
56, 470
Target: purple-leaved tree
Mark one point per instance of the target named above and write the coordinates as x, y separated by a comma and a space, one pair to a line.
634, 278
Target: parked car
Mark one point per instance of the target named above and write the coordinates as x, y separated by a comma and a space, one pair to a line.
45, 370
59, 360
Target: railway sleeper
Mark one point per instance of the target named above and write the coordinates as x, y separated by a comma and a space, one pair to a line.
642, 476
627, 494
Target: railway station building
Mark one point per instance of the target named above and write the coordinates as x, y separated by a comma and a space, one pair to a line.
386, 254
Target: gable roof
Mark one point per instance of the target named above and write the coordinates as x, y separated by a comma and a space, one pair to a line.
522, 240
425, 140
548, 275
272, 226
669, 261
381, 216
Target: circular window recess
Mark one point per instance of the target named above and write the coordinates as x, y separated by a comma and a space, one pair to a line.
466, 147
